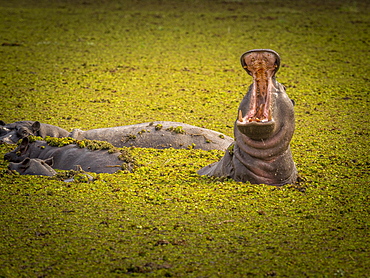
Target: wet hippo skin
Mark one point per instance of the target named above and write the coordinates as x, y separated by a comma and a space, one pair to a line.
13, 132
33, 166
69, 157
263, 129
158, 135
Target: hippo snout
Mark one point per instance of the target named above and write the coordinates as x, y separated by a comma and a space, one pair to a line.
12, 156
7, 139
12, 166
7, 156
257, 130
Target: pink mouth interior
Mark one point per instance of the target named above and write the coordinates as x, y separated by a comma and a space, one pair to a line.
262, 66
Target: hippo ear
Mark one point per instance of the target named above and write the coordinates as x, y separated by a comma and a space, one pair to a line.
25, 163
23, 147
36, 126
49, 161
2, 122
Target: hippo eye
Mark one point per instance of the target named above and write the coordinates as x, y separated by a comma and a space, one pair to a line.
25, 132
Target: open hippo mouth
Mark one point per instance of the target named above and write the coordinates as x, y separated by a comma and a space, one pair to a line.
256, 119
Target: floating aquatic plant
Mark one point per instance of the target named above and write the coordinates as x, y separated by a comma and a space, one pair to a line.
126, 62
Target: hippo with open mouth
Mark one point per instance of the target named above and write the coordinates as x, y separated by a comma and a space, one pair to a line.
263, 129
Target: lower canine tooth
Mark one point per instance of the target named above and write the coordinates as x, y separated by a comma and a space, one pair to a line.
240, 117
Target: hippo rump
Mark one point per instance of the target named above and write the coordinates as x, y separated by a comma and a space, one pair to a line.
13, 132
263, 129
158, 135
70, 157
33, 166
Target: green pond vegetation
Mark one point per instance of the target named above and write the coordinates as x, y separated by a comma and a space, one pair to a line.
94, 64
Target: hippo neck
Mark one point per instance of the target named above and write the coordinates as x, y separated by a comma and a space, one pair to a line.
273, 166
265, 149
280, 171
278, 140
263, 172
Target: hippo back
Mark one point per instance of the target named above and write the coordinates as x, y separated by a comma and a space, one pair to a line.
158, 135
69, 157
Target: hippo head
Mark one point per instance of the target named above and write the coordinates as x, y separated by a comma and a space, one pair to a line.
12, 134
3, 129
19, 153
24, 131
263, 129
256, 118
33, 166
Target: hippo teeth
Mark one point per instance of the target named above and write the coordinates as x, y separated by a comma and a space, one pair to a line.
240, 116
247, 119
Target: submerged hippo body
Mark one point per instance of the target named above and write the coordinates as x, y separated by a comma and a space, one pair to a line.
13, 132
158, 135
68, 157
263, 129
33, 166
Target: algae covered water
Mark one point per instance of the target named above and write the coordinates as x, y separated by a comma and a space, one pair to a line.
96, 64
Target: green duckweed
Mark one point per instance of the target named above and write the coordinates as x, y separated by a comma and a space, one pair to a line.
96, 64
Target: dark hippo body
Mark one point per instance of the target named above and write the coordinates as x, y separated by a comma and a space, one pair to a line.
263, 129
68, 157
158, 135
13, 132
33, 166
